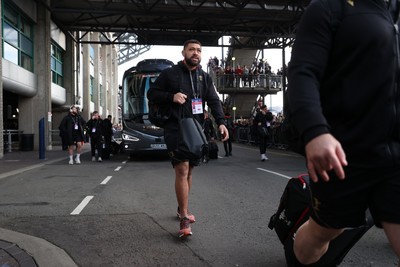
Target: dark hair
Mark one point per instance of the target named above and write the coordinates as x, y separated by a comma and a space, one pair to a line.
263, 106
191, 41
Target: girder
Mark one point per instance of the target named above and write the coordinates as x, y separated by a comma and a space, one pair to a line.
263, 24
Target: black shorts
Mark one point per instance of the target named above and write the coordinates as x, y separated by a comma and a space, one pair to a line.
342, 203
76, 137
171, 140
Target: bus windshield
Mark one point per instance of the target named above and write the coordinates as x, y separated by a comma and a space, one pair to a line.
135, 87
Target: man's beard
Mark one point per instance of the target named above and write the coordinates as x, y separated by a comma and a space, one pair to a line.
190, 63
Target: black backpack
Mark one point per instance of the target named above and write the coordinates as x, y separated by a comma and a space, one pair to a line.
293, 209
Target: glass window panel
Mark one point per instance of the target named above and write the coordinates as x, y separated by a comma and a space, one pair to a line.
59, 67
26, 62
26, 45
11, 15
53, 64
52, 50
10, 34
91, 52
26, 28
59, 80
59, 54
10, 53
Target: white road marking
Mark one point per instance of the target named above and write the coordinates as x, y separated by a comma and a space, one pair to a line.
82, 205
276, 173
105, 181
118, 168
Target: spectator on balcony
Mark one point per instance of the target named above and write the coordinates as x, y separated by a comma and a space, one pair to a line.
245, 76
238, 75
229, 75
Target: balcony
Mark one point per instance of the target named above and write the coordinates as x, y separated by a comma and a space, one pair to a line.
261, 84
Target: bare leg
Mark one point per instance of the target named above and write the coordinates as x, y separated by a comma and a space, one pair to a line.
312, 241
71, 150
79, 147
392, 232
183, 182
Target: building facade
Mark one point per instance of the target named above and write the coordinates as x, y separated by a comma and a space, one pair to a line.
43, 71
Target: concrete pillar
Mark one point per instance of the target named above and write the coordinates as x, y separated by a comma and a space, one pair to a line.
85, 72
104, 79
70, 70
109, 80
115, 84
97, 70
1, 89
38, 107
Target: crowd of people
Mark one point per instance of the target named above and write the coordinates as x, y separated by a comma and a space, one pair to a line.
249, 131
228, 75
75, 131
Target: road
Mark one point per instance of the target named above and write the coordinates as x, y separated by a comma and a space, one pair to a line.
121, 212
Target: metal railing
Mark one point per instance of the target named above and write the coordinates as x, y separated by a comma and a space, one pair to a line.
248, 135
11, 139
55, 138
260, 81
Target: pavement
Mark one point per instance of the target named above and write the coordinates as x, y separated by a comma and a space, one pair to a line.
18, 249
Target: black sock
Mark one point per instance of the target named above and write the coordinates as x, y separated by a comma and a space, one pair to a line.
292, 261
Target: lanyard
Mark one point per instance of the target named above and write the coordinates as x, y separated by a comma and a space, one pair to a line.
194, 89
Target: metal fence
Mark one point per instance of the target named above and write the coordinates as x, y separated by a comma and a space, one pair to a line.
248, 81
11, 139
248, 135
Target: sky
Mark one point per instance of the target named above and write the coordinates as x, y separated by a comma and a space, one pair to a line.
173, 53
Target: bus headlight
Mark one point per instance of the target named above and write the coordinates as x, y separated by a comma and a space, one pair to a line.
127, 137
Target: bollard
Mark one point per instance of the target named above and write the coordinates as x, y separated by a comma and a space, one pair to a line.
41, 139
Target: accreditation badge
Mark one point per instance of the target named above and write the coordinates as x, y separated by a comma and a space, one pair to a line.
197, 106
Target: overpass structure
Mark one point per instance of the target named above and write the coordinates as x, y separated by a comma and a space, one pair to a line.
62, 52
137, 24
251, 24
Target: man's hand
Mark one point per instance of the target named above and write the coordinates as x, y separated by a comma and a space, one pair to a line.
180, 98
224, 132
325, 153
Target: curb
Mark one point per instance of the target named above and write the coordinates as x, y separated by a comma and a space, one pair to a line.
44, 253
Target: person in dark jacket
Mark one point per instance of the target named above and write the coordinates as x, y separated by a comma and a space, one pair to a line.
72, 131
186, 84
229, 126
108, 132
95, 129
209, 131
341, 82
262, 123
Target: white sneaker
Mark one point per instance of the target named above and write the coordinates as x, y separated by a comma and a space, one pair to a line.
71, 162
77, 161
100, 160
93, 158
263, 157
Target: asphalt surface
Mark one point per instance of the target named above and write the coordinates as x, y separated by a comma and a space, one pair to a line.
22, 250
132, 222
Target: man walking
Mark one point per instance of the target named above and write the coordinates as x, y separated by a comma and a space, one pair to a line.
95, 129
71, 130
186, 84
